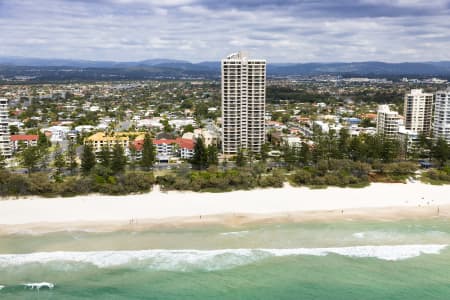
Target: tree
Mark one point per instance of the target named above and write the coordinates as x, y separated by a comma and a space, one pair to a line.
13, 129
2, 162
188, 128
304, 155
290, 156
166, 125
375, 148
88, 160
391, 149
199, 160
343, 143
440, 151
104, 156
45, 157
332, 147
148, 153
118, 160
425, 144
366, 123
59, 161
265, 151
357, 151
213, 155
71, 156
133, 157
320, 149
201, 111
241, 159
43, 141
31, 157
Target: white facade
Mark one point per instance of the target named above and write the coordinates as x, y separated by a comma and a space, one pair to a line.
409, 138
441, 124
418, 111
387, 122
243, 103
5, 144
58, 133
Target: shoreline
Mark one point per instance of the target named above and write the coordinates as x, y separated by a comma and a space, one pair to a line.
234, 221
379, 201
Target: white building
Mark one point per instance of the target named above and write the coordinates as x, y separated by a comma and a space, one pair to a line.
292, 141
441, 124
24, 140
57, 133
408, 138
418, 111
243, 103
150, 123
387, 122
5, 144
167, 150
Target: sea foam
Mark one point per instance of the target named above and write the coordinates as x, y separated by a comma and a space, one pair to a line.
235, 233
186, 260
39, 285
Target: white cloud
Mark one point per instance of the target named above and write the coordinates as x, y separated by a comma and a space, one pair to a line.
194, 30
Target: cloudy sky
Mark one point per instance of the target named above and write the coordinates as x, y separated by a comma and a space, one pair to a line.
198, 30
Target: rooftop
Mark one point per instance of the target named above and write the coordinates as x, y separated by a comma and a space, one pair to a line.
24, 137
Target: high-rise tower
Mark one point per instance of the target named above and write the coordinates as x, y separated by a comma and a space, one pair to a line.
5, 143
418, 111
387, 122
441, 128
243, 103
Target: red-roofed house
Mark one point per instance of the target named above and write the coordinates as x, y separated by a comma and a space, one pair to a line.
369, 116
23, 139
169, 148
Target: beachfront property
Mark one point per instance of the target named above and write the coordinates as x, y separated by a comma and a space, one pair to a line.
409, 138
103, 139
418, 111
167, 149
441, 126
20, 141
243, 103
387, 122
5, 145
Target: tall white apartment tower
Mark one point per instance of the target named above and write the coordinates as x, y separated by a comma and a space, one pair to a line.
387, 122
441, 126
418, 111
5, 143
243, 103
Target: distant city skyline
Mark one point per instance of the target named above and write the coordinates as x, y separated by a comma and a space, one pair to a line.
194, 30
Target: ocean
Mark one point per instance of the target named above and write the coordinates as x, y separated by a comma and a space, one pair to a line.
315, 260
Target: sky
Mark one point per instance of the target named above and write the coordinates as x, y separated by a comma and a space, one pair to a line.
208, 30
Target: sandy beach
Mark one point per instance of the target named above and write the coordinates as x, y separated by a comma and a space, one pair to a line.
99, 212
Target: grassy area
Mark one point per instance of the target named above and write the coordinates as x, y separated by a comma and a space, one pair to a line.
436, 177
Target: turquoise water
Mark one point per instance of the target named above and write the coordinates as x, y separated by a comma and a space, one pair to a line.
341, 260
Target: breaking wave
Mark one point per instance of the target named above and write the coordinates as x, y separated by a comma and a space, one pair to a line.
235, 233
210, 260
39, 285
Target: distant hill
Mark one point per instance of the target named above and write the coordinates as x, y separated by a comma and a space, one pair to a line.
63, 69
362, 68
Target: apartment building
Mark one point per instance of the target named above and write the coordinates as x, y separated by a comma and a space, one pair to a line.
418, 111
243, 103
387, 122
441, 125
5, 144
